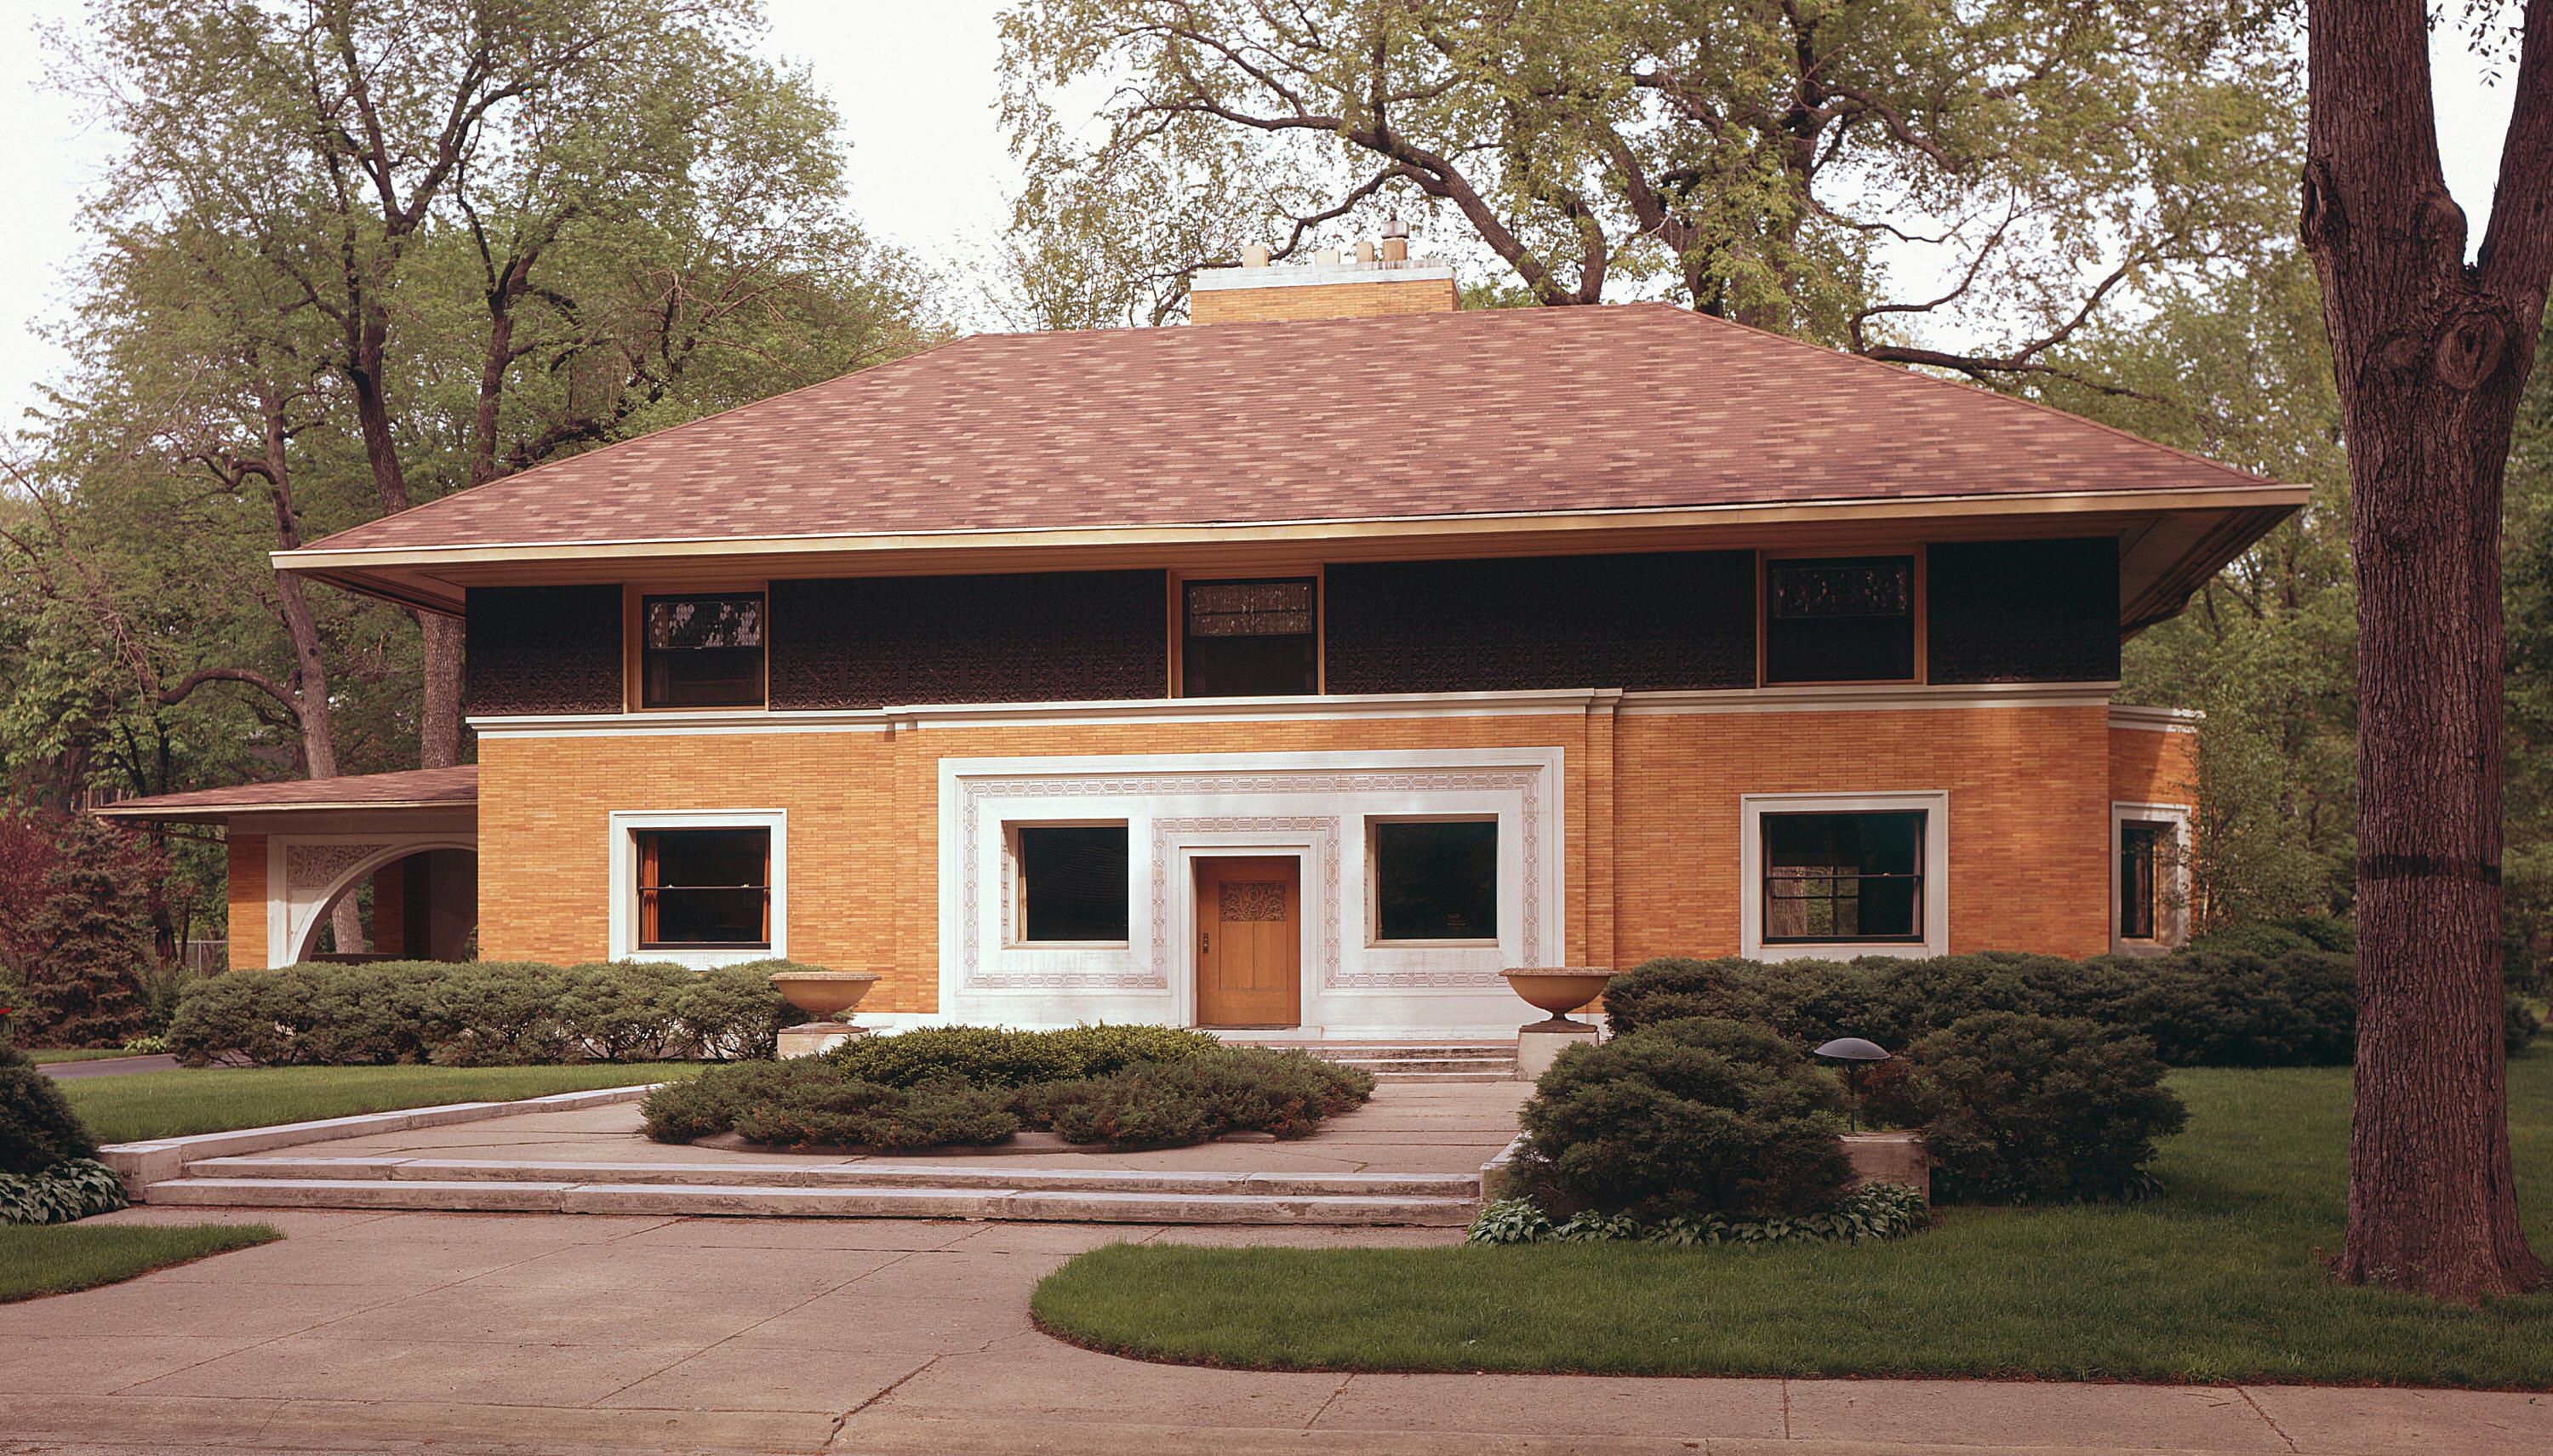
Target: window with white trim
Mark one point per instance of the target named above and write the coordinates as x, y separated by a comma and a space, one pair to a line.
1070, 883
1848, 878
1435, 880
704, 889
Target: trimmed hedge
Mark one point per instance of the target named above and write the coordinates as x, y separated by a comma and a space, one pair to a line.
486, 1013
2201, 1007
2033, 1109
1688, 1117
993, 1057
1120, 1085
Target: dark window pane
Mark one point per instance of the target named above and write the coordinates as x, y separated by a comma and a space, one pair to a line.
1072, 882
702, 652
704, 887
1843, 876
1436, 881
1839, 620
1246, 639
2140, 844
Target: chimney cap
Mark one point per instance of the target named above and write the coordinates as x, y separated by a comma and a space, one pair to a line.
1394, 227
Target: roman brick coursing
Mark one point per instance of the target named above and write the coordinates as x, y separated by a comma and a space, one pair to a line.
1670, 620
247, 856
1032, 638
542, 649
1651, 819
2153, 767
2009, 612
1323, 300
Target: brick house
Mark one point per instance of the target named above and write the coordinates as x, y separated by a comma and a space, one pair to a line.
1301, 667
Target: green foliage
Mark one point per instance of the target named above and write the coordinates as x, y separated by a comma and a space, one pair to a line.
37, 1129
92, 938
1872, 1212
1601, 149
70, 1190
2326, 932
1124, 1086
995, 1057
837, 1111
1692, 1116
478, 1014
1162, 1103
2288, 1004
2032, 1109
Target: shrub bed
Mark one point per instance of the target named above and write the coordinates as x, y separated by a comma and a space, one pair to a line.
1874, 1211
2033, 1109
486, 1013
1695, 1116
952, 1086
2205, 1006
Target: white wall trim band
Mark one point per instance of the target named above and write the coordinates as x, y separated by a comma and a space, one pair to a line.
1880, 698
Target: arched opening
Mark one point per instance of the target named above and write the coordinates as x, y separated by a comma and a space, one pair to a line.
418, 906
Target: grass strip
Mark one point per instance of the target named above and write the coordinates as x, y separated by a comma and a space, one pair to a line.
60, 1257
2221, 1278
170, 1105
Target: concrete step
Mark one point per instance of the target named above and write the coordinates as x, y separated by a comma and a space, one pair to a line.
1364, 1052
898, 1175
1429, 1064
766, 1200
1500, 1074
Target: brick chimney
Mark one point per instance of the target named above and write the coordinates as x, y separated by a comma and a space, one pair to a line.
1362, 284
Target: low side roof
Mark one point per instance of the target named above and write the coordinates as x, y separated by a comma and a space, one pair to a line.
1549, 411
415, 788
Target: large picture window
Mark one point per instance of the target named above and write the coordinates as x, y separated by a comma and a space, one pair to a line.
1250, 640
704, 888
1436, 880
1072, 882
701, 651
1840, 620
1846, 878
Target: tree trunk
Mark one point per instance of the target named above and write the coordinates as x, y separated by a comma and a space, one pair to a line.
439, 709
2431, 359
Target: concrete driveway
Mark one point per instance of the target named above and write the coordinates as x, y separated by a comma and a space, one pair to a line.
483, 1332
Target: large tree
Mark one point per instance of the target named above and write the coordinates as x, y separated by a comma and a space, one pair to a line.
2431, 350
2038, 158
474, 237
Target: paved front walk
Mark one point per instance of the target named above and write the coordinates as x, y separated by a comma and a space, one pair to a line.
574, 1333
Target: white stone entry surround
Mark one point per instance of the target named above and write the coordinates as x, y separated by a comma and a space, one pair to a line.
1311, 807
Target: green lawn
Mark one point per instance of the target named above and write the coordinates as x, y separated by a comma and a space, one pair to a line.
2216, 1280
60, 1258
168, 1104
94, 1055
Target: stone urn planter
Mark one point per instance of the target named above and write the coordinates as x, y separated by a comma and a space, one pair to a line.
1559, 991
828, 996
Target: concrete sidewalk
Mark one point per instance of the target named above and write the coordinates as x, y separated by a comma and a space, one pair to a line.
478, 1332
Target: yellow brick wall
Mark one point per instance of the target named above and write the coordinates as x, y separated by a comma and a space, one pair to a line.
2029, 808
1323, 300
247, 853
2151, 767
1651, 819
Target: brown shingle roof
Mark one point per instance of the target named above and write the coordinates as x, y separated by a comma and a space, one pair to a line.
1536, 411
413, 788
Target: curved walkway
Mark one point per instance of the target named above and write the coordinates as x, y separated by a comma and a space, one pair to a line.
473, 1332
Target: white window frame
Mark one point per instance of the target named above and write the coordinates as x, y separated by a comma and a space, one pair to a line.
1374, 937
1014, 885
2171, 917
1935, 805
625, 827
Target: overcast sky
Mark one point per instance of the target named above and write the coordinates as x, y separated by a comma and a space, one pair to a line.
917, 89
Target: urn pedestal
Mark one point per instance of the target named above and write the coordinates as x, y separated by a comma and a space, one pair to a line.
1558, 989
828, 996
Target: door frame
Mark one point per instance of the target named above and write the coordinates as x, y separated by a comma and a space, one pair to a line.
1309, 900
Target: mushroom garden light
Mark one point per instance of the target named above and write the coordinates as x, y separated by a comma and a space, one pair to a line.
1852, 1051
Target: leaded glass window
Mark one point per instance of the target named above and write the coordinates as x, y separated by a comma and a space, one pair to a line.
1840, 620
1250, 639
701, 651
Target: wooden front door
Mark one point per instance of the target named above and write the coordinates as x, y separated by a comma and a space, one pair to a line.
1250, 943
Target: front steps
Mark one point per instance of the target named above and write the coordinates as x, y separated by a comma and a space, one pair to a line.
1418, 1062
834, 1190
